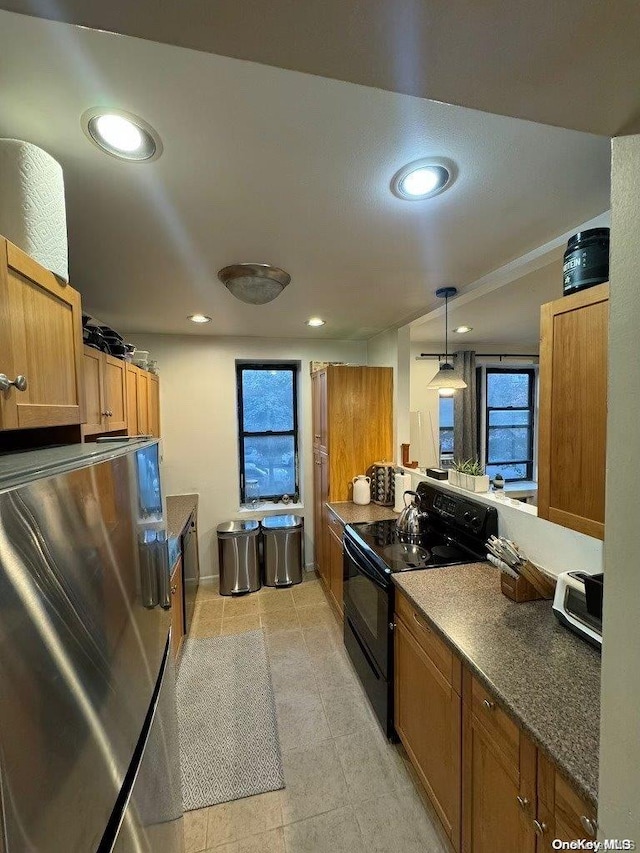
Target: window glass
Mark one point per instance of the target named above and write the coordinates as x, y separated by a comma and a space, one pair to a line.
446, 430
509, 423
267, 398
506, 390
269, 465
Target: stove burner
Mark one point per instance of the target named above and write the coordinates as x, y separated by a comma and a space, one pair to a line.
446, 552
403, 556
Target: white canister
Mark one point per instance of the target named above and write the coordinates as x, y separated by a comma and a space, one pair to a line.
361, 489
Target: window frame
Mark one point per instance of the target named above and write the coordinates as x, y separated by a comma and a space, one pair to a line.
531, 408
293, 368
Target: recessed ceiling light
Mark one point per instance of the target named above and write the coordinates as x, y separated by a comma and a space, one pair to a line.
315, 321
423, 179
199, 318
121, 134
462, 330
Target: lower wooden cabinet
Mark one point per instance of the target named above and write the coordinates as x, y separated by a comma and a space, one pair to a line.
320, 516
105, 390
492, 789
427, 719
177, 609
336, 567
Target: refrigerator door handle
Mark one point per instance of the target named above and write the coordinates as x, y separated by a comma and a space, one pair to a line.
148, 573
163, 574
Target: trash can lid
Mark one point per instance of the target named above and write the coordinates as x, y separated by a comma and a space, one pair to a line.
238, 528
281, 522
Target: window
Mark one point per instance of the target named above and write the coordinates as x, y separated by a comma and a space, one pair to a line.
509, 423
267, 430
446, 431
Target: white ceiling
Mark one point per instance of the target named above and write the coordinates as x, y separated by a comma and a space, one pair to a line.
507, 317
569, 63
261, 164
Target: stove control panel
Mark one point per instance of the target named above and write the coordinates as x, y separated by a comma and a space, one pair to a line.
474, 519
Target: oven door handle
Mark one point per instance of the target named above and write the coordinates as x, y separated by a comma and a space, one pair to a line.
362, 565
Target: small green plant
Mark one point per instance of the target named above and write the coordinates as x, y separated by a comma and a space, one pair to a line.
475, 468
459, 465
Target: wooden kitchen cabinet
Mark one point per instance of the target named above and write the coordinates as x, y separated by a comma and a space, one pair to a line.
105, 383
177, 608
498, 777
154, 405
428, 711
353, 428
335, 559
562, 813
41, 340
573, 410
143, 402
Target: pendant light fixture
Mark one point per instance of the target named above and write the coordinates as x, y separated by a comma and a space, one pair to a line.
445, 382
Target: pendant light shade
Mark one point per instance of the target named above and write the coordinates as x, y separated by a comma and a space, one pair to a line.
446, 380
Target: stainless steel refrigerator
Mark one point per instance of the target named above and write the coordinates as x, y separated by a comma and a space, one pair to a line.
88, 734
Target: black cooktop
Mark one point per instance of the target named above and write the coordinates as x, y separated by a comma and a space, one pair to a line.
433, 548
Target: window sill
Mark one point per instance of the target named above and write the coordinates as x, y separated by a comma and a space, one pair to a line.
269, 507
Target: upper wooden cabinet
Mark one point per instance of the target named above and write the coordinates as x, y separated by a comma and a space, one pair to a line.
143, 402
319, 397
573, 410
105, 392
40, 340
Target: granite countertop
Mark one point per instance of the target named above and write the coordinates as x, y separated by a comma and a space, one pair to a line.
179, 508
545, 676
350, 513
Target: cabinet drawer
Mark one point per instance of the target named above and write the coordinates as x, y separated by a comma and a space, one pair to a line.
497, 723
436, 649
573, 812
334, 525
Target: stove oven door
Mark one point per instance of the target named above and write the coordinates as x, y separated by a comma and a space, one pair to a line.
368, 612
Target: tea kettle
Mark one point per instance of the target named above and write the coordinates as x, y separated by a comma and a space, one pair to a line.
411, 519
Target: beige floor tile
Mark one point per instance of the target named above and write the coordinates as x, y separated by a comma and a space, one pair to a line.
241, 605
273, 599
334, 671
372, 766
264, 842
291, 670
347, 710
314, 782
323, 640
243, 818
280, 620
309, 575
281, 642
205, 627
239, 624
309, 593
301, 719
397, 822
316, 614
334, 832
195, 830
208, 589
209, 607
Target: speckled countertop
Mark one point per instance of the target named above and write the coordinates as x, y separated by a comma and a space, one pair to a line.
179, 508
548, 678
350, 513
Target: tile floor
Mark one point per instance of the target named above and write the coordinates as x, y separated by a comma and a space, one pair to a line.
347, 789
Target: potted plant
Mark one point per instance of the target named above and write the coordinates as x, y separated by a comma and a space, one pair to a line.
456, 472
476, 479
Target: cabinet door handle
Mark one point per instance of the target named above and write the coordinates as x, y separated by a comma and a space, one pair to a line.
488, 704
590, 826
174, 589
540, 827
19, 383
420, 624
523, 802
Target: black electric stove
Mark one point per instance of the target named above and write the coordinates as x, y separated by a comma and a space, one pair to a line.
454, 531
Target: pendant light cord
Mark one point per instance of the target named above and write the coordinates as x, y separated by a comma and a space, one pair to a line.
446, 330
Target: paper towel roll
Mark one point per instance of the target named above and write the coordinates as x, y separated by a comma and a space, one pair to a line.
32, 210
402, 483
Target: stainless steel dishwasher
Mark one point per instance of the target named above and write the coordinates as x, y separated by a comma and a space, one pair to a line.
190, 569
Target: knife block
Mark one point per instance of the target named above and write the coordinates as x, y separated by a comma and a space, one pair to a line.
532, 584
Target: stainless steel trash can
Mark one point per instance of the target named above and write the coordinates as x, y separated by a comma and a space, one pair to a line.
238, 553
282, 543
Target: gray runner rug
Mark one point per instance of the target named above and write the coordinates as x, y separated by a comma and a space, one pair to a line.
229, 745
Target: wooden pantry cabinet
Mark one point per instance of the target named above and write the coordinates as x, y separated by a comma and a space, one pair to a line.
352, 428
573, 410
40, 341
492, 789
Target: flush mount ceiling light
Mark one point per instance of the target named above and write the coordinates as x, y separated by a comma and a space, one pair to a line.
199, 318
121, 134
462, 330
315, 321
255, 284
445, 382
422, 179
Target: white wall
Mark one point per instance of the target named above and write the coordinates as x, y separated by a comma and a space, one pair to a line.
199, 420
619, 791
